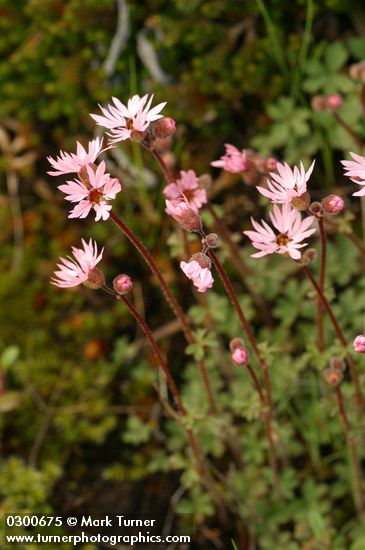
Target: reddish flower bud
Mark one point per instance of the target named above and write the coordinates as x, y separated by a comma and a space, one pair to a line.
319, 103
240, 356
122, 284
333, 204
359, 343
270, 164
164, 127
211, 240
316, 208
333, 376
308, 256
236, 343
337, 364
334, 101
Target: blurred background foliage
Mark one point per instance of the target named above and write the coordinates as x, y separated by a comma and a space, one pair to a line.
81, 427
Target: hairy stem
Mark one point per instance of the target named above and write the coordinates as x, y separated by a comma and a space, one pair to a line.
267, 415
161, 361
340, 336
205, 475
236, 259
320, 327
355, 464
168, 295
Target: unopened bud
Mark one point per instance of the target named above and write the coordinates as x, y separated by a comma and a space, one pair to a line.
357, 71
319, 103
236, 343
337, 364
211, 240
95, 279
270, 164
316, 209
359, 343
333, 376
302, 202
202, 260
333, 204
334, 102
184, 215
122, 284
240, 356
164, 127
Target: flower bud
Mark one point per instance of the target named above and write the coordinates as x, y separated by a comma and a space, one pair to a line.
319, 103
357, 71
240, 356
236, 343
95, 279
164, 127
302, 202
334, 102
202, 260
316, 209
333, 376
359, 343
122, 284
184, 215
211, 240
333, 204
337, 364
270, 164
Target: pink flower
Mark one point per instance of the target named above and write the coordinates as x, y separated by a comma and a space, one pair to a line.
188, 186
288, 184
233, 160
334, 101
68, 163
291, 230
180, 210
122, 120
82, 269
201, 277
359, 343
90, 192
356, 172
240, 356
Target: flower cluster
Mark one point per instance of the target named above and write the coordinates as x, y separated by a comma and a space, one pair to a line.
287, 188
94, 187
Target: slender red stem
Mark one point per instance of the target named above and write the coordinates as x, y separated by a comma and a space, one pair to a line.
355, 464
161, 361
170, 299
348, 129
267, 415
340, 336
237, 261
155, 270
247, 330
206, 478
320, 327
